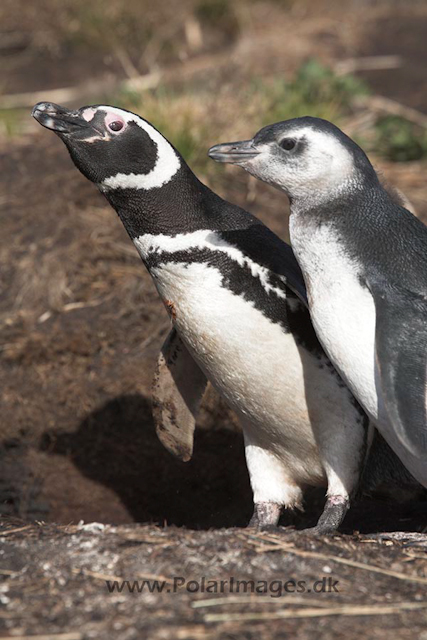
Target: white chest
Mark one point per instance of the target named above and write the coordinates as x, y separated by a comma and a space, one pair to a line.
249, 358
342, 310
251, 361
243, 352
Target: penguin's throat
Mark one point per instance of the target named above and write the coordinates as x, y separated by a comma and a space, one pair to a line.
164, 210
315, 195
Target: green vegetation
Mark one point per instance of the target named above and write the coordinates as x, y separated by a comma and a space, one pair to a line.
398, 140
137, 37
195, 116
11, 121
193, 119
314, 91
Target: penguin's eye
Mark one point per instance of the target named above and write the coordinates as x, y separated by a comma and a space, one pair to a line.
116, 125
287, 144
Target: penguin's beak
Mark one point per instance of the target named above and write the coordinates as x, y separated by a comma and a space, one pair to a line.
57, 118
234, 152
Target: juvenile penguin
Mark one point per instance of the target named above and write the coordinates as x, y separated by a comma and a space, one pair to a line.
223, 277
364, 261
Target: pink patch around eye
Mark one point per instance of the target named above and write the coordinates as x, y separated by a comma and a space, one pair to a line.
117, 122
88, 114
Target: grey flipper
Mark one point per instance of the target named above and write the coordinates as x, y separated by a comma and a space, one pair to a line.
178, 388
401, 352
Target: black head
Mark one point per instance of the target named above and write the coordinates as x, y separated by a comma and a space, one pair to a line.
305, 157
112, 147
143, 177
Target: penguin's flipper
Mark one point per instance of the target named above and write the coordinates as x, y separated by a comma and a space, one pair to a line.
401, 352
178, 388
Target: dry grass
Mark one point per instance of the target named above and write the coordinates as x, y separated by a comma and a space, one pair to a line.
69, 567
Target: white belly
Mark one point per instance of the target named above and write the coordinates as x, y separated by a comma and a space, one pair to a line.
343, 315
259, 369
342, 311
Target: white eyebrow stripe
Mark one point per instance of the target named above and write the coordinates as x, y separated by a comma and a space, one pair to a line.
343, 163
167, 165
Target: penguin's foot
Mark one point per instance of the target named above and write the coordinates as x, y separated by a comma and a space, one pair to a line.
265, 515
333, 514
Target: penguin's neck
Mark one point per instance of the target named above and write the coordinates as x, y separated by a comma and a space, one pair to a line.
178, 215
364, 212
382, 241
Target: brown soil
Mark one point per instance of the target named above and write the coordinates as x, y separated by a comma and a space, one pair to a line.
56, 581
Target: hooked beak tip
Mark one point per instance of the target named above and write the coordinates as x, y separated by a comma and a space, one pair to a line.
57, 118
45, 108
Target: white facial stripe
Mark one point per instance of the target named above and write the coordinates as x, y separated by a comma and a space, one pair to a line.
342, 166
94, 139
167, 165
204, 239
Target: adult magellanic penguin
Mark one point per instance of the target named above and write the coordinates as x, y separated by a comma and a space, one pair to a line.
223, 277
364, 260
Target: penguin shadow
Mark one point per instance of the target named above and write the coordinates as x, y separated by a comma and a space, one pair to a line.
116, 445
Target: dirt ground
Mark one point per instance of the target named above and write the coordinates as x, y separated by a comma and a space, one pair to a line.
81, 327
58, 580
